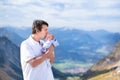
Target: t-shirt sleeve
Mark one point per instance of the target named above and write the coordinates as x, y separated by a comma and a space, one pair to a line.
26, 52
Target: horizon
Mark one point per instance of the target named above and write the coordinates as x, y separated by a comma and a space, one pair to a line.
63, 28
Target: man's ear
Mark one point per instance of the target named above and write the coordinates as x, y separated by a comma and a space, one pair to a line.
37, 30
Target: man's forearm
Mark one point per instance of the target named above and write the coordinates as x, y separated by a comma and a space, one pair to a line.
52, 57
37, 60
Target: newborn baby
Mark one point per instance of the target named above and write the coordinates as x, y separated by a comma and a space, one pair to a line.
49, 40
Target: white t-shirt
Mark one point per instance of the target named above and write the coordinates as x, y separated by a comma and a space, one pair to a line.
30, 49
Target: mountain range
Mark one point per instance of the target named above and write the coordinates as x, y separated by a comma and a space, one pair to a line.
76, 46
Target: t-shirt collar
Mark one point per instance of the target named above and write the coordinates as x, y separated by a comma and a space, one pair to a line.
33, 41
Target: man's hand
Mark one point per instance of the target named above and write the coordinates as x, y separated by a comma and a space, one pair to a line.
50, 54
50, 51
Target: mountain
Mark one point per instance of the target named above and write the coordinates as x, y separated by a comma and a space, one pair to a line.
7, 32
110, 61
108, 65
9, 60
23, 32
105, 37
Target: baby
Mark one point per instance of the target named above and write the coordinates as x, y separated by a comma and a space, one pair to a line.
49, 40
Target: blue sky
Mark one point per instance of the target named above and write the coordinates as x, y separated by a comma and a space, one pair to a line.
79, 14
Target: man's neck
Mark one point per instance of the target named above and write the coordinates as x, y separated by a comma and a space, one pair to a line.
35, 37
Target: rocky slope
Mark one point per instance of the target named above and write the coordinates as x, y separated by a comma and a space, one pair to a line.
112, 60
109, 64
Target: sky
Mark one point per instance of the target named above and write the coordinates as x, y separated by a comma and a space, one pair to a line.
73, 14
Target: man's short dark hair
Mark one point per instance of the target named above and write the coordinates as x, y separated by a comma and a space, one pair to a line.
37, 25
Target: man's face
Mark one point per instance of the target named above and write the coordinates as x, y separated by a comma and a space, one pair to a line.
44, 31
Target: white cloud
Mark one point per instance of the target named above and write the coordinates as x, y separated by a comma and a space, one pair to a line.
107, 3
17, 2
82, 14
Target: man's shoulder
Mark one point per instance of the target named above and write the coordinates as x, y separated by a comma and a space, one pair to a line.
25, 42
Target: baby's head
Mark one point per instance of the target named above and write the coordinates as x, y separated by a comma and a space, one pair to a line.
49, 37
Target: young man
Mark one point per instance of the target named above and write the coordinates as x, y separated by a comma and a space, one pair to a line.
33, 61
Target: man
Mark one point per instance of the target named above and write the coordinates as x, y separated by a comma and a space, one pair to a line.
34, 63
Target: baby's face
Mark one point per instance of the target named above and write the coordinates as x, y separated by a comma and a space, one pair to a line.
49, 37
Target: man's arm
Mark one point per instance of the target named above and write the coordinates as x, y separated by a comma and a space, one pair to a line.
38, 60
51, 57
